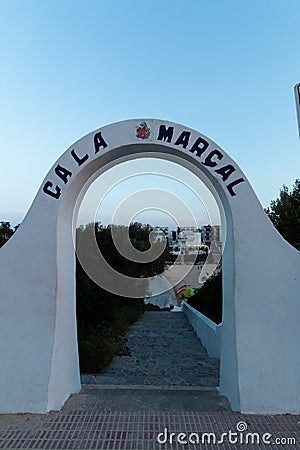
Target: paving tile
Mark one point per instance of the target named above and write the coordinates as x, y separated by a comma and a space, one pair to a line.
143, 430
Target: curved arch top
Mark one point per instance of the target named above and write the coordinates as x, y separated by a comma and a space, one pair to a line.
37, 291
127, 140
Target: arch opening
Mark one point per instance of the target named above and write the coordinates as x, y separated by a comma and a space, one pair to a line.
165, 203
135, 172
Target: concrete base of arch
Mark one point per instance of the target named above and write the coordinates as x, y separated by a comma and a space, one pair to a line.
260, 355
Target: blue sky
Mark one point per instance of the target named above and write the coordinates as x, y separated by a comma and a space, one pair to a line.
224, 67
110, 198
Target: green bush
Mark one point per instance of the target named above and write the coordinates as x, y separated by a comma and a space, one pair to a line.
6, 232
208, 300
285, 213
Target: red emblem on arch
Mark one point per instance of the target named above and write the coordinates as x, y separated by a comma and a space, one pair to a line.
142, 132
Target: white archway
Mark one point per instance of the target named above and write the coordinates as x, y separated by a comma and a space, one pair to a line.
260, 358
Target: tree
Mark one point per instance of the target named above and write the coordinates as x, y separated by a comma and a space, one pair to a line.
103, 317
208, 300
284, 212
5, 232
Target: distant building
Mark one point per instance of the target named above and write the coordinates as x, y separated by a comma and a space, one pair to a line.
206, 234
210, 234
160, 233
215, 236
190, 240
186, 241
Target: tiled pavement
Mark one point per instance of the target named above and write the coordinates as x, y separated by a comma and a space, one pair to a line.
141, 430
133, 411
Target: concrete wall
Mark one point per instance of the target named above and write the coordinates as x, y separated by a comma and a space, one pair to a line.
260, 358
207, 331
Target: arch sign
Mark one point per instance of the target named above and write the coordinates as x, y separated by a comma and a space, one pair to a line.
260, 351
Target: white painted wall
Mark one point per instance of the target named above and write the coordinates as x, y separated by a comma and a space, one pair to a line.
207, 331
260, 357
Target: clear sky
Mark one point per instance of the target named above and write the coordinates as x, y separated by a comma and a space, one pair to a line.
111, 196
223, 67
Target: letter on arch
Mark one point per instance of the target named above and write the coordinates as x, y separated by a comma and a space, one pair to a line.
231, 186
99, 142
199, 146
47, 190
63, 173
225, 171
208, 160
79, 160
183, 139
165, 134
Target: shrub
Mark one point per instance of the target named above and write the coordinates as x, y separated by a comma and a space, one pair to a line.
208, 300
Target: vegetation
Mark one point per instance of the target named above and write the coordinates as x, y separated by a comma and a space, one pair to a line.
208, 300
102, 317
285, 213
6, 231
102, 320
